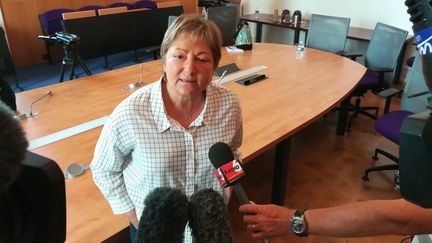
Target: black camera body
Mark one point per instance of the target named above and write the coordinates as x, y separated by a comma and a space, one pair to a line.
33, 208
66, 38
62, 38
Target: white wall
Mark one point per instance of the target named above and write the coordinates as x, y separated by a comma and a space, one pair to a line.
363, 13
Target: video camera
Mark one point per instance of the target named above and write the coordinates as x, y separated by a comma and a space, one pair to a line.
210, 3
61, 37
415, 143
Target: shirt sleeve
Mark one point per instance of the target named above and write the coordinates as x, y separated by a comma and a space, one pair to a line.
112, 155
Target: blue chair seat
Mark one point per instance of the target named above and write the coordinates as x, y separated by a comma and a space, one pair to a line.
121, 4
91, 7
390, 123
369, 80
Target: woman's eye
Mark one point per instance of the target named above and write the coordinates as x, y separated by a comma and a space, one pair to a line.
203, 59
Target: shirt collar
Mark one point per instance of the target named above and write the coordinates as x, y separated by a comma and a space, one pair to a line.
161, 118
158, 108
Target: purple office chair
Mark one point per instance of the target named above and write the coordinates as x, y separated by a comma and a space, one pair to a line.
91, 7
381, 57
120, 4
145, 4
390, 123
50, 22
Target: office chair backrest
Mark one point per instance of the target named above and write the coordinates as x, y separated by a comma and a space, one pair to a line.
327, 33
91, 7
414, 84
145, 4
225, 18
121, 4
385, 46
51, 20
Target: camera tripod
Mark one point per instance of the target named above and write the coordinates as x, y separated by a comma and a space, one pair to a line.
72, 58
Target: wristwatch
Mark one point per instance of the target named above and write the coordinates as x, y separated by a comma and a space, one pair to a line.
298, 223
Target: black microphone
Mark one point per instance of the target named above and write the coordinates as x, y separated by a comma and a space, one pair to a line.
164, 217
421, 16
13, 147
208, 218
220, 154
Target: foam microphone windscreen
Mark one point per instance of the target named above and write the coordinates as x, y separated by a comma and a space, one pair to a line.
208, 217
219, 154
164, 217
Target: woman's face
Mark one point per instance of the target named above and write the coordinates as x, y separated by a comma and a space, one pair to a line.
189, 67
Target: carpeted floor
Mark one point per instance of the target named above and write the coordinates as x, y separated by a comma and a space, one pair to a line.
40, 75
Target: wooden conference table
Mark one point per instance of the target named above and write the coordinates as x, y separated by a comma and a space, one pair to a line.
297, 93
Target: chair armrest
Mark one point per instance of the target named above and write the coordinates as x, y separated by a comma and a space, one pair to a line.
390, 92
381, 69
352, 56
340, 53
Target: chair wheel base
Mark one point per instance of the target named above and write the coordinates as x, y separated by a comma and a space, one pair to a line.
365, 178
375, 158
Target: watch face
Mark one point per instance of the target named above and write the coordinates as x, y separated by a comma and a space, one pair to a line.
298, 226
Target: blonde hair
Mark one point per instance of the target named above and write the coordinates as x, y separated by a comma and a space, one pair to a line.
193, 27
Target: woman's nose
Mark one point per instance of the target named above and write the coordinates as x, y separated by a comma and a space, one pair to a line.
189, 66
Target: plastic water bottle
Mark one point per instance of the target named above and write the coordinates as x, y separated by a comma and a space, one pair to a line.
300, 50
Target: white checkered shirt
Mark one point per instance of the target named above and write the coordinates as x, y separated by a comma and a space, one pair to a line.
141, 148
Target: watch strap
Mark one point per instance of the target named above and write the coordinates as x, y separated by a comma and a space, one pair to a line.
299, 213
